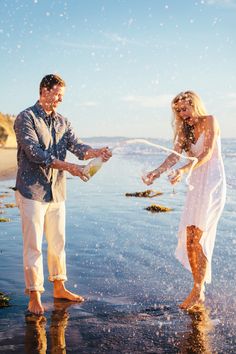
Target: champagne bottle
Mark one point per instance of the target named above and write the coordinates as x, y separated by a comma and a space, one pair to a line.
93, 166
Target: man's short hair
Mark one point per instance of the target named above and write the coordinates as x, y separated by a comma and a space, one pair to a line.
49, 81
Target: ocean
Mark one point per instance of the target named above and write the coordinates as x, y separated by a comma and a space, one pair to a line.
121, 258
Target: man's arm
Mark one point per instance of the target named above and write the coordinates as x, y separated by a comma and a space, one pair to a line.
83, 151
27, 139
73, 169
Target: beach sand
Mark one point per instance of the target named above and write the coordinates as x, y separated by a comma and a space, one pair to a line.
8, 163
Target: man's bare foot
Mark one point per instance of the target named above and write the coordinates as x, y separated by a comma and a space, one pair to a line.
35, 305
196, 297
60, 292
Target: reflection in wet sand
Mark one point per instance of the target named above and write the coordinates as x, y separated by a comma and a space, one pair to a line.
102, 327
197, 339
35, 332
59, 321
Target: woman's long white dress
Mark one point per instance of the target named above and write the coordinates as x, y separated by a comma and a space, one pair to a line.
204, 204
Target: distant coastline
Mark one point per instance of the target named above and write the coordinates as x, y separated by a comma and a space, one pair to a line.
8, 152
7, 134
8, 163
7, 147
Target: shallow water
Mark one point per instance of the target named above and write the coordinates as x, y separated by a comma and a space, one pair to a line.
120, 257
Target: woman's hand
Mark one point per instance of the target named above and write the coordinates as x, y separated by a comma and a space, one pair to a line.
150, 177
175, 176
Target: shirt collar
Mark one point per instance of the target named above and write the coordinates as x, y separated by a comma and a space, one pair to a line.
42, 112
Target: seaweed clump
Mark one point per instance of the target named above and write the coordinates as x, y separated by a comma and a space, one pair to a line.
10, 205
149, 193
4, 300
5, 219
155, 208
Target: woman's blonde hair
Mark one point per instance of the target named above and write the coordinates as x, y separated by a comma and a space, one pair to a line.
178, 123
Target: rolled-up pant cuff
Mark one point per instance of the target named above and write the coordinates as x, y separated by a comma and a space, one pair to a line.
57, 277
34, 288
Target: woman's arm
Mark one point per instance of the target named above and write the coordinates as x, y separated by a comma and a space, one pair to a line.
170, 161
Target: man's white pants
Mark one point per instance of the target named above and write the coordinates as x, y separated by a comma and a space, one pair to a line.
38, 218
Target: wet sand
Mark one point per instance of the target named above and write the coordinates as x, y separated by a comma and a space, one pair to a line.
120, 257
7, 163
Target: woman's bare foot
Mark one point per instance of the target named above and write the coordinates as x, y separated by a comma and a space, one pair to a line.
35, 305
186, 301
60, 292
196, 297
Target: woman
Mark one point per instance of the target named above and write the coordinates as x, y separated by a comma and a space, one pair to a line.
197, 134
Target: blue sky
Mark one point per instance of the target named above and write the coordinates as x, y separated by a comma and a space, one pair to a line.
122, 60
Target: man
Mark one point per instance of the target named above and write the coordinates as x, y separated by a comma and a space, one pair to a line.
43, 138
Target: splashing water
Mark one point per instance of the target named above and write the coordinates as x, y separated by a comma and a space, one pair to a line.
146, 142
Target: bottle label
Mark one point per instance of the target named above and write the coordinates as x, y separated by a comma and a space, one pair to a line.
93, 166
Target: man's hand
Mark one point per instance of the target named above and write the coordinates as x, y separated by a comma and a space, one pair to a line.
77, 170
105, 153
72, 168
